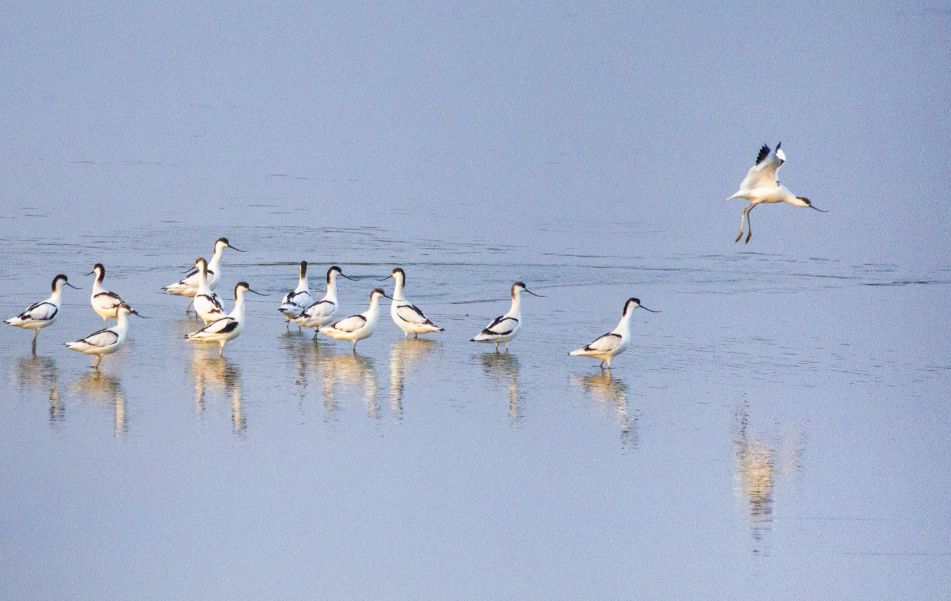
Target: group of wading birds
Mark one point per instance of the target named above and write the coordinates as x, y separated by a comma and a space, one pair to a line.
759, 186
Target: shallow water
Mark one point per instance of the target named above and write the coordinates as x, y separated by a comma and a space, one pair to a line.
778, 430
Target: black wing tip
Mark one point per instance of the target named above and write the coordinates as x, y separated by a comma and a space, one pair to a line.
763, 153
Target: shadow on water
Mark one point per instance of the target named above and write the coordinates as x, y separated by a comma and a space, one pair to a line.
502, 369
758, 464
39, 374
105, 390
214, 373
611, 393
405, 357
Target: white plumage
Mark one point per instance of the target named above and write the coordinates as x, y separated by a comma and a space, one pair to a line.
321, 313
505, 327
207, 304
615, 342
294, 303
188, 286
42, 314
228, 327
108, 341
407, 316
103, 302
761, 186
357, 327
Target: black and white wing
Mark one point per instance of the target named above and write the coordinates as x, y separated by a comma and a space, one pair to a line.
41, 311
763, 173
107, 300
319, 309
224, 325
501, 326
412, 314
350, 324
605, 344
100, 339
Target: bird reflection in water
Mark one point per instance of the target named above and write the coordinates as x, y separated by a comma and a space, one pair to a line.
105, 390
611, 393
39, 374
405, 357
757, 464
215, 373
503, 369
350, 371
304, 353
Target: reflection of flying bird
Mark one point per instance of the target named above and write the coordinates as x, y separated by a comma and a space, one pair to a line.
407, 316
761, 186
226, 328
322, 312
615, 342
357, 327
44, 313
105, 303
105, 342
505, 327
294, 303
188, 286
207, 304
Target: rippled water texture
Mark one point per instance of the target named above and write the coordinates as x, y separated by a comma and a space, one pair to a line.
781, 424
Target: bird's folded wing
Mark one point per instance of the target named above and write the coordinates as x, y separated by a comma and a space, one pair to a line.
41, 311
219, 326
319, 309
350, 324
605, 344
411, 314
108, 300
102, 338
501, 326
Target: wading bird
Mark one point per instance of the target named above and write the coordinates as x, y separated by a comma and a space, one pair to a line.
615, 342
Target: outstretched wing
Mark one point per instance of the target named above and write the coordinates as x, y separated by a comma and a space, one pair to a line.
41, 311
101, 339
605, 344
350, 324
501, 326
763, 173
412, 314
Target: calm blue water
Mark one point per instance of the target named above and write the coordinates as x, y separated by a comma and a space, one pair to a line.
778, 430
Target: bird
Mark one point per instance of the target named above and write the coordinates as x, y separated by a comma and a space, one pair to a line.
105, 303
761, 186
228, 327
615, 342
357, 327
207, 304
405, 315
188, 286
321, 313
107, 341
295, 302
44, 313
505, 327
